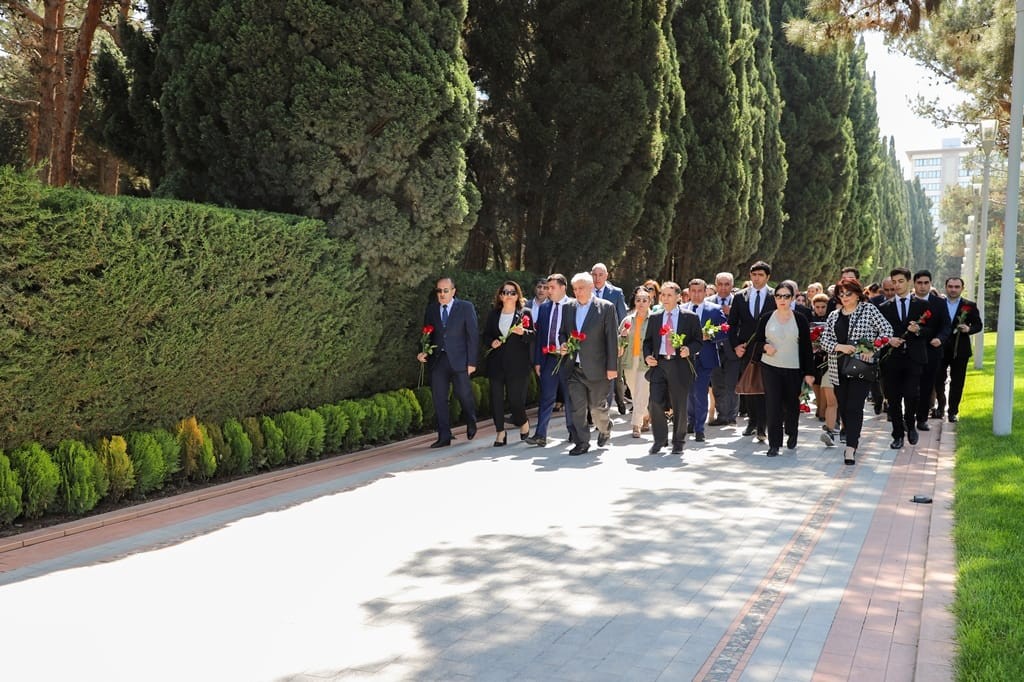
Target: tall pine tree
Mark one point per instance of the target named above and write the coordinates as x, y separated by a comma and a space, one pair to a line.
820, 150
894, 218
356, 113
923, 243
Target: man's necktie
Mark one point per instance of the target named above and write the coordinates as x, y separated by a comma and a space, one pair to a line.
553, 326
444, 316
757, 305
671, 323
903, 301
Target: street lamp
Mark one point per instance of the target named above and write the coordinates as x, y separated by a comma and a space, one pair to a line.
989, 126
970, 250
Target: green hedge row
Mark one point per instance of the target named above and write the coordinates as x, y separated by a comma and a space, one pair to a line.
120, 314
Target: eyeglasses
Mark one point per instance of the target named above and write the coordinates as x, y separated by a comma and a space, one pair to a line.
784, 296
443, 291
648, 288
509, 292
844, 293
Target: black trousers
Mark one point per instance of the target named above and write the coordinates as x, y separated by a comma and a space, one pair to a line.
956, 370
670, 387
441, 376
851, 394
782, 401
515, 384
901, 380
928, 373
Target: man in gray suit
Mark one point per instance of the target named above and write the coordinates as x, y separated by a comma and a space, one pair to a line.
594, 364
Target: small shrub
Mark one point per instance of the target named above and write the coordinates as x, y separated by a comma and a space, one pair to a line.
318, 431
297, 435
259, 445
426, 401
38, 476
113, 453
374, 421
384, 411
274, 439
170, 450
355, 414
207, 460
240, 447
221, 451
79, 484
147, 462
335, 426
415, 409
191, 440
10, 492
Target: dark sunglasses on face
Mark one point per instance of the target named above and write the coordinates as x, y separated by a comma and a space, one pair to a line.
508, 292
442, 291
784, 296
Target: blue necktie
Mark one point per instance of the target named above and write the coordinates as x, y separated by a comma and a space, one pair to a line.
444, 316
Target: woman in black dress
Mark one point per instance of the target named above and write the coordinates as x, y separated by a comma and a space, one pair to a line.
507, 337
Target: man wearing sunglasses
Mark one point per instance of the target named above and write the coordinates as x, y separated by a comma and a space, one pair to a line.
456, 339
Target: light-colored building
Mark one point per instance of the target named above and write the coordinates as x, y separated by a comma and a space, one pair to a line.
938, 169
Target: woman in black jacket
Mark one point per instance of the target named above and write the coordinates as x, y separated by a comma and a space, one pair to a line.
783, 339
507, 337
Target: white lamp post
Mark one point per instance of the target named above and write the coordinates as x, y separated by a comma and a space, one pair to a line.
989, 127
970, 251
1002, 400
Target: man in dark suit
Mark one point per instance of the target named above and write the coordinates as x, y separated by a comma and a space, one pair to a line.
456, 338
923, 291
707, 360
725, 376
547, 322
671, 370
956, 352
747, 306
604, 289
594, 363
904, 361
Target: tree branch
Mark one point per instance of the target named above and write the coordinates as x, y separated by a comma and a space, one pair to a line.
20, 102
24, 10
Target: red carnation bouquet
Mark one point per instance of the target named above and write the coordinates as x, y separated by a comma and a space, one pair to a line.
426, 347
570, 347
677, 341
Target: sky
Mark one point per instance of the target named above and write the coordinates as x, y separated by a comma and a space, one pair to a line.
899, 80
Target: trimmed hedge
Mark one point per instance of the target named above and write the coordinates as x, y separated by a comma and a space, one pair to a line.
123, 314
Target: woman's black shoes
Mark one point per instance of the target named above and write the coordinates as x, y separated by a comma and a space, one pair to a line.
499, 442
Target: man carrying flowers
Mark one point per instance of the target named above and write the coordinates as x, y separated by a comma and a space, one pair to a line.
965, 321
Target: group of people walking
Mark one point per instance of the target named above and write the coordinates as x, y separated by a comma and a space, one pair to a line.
677, 350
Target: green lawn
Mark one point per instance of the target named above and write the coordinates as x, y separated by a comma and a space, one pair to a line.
989, 530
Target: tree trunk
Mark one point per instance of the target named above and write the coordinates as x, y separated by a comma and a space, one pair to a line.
74, 92
49, 81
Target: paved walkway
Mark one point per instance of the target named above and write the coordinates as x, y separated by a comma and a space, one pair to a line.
481, 563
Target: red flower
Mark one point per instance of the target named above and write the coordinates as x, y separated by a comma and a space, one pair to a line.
428, 329
966, 309
881, 341
548, 350
579, 336
816, 333
927, 316
526, 322
626, 325
804, 407
724, 327
665, 329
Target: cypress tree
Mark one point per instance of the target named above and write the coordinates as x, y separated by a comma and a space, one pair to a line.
713, 202
894, 221
820, 151
355, 113
923, 244
860, 219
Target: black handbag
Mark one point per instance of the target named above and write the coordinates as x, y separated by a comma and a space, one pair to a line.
855, 367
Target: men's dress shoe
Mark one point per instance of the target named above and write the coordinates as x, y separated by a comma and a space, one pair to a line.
689, 428
954, 418
935, 414
656, 448
750, 430
896, 443
441, 443
717, 422
791, 441
878, 408
677, 448
536, 440
699, 437
761, 436
912, 436
773, 452
923, 426
471, 430
622, 407
603, 438
580, 449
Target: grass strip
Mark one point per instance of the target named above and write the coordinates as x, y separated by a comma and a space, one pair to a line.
989, 530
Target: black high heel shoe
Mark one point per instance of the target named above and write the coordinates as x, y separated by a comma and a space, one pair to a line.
499, 443
524, 431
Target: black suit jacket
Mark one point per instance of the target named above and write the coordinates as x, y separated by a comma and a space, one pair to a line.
941, 326
516, 354
958, 345
915, 348
460, 339
686, 323
742, 324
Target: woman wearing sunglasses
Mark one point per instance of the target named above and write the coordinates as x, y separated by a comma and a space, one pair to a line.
507, 337
783, 347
